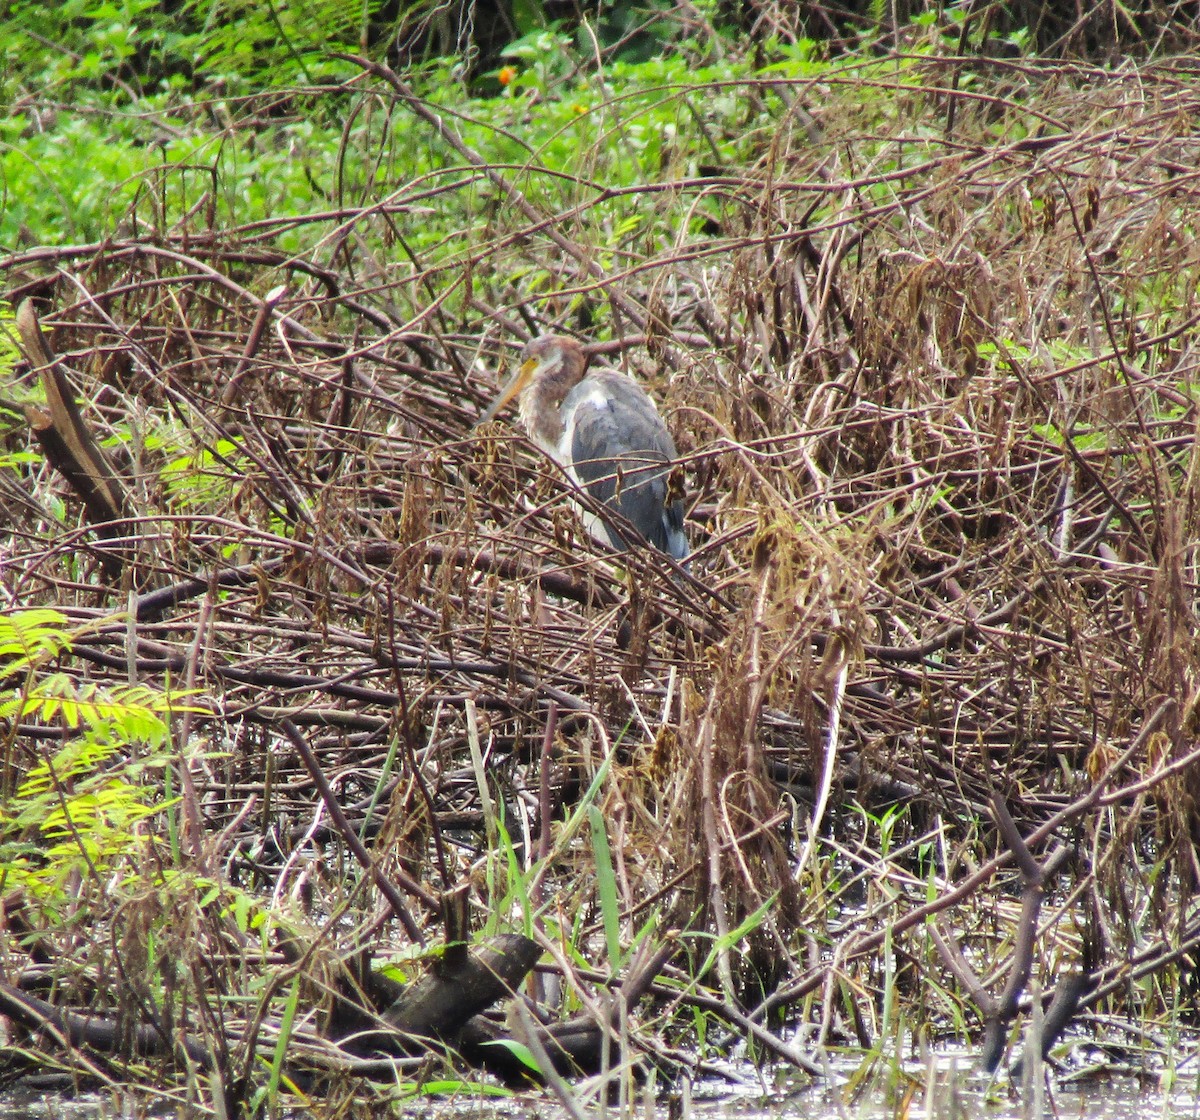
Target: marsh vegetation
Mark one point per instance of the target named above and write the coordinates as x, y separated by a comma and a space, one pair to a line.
310, 677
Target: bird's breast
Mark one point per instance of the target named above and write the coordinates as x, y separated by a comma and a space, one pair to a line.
584, 402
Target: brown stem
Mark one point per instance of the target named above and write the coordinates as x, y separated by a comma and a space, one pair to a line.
386, 887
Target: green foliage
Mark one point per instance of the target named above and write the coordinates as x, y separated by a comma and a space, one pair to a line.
139, 85
606, 883
519, 1051
77, 809
446, 1087
80, 832
726, 942
30, 637
129, 714
275, 1067
144, 153
129, 48
199, 479
87, 177
9, 350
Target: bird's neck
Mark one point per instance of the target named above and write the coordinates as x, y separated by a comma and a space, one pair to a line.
541, 419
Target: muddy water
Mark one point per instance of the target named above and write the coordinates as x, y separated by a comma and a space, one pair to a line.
952, 1094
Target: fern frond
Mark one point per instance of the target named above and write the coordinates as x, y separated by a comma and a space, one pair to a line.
30, 637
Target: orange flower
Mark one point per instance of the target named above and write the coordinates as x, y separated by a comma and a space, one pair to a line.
507, 74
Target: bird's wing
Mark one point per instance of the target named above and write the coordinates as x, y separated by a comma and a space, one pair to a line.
620, 452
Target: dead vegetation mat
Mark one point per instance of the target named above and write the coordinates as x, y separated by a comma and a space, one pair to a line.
933, 393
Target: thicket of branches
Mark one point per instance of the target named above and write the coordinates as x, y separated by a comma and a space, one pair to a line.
931, 374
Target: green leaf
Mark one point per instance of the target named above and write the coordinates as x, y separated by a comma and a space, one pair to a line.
606, 885
518, 1050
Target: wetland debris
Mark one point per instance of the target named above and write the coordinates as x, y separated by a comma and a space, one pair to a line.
941, 438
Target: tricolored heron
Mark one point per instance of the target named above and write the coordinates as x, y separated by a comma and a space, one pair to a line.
605, 432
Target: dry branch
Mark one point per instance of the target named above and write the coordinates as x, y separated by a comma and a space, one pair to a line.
935, 400
68, 443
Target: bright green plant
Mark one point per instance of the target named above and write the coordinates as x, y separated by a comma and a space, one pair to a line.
143, 153
606, 884
199, 480
76, 809
9, 351
29, 638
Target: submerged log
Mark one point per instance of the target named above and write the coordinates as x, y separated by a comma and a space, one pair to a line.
461, 985
575, 1048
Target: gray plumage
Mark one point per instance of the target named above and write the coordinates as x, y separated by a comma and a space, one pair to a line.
621, 454
607, 435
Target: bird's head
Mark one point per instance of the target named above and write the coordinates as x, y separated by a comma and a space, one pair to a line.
549, 367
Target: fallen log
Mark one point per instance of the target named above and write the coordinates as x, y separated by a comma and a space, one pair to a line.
105, 1035
70, 447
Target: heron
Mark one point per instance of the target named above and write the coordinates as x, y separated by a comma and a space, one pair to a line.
605, 432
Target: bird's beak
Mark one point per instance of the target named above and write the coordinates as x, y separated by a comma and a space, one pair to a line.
516, 383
